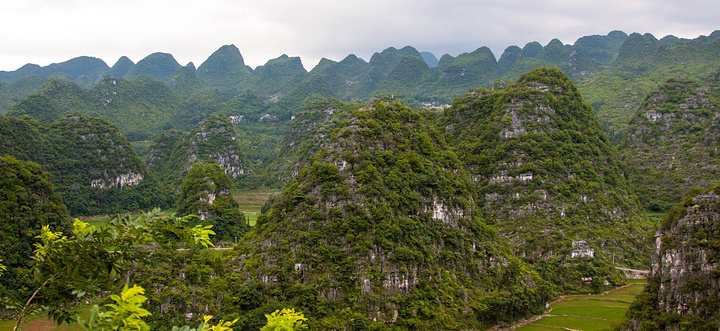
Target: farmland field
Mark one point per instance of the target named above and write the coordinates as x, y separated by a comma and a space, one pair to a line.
588, 312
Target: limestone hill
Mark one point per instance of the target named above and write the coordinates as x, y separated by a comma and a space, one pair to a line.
672, 143
173, 152
94, 168
545, 172
380, 223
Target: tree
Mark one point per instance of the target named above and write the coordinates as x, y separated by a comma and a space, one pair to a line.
94, 260
27, 202
205, 191
285, 320
126, 314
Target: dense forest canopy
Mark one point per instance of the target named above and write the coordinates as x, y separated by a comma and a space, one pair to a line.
414, 193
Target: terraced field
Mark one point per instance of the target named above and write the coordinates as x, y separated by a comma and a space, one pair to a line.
588, 312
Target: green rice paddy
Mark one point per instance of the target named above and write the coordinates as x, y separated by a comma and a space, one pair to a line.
588, 312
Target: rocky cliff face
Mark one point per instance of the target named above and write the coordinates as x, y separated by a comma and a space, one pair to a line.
684, 287
686, 258
672, 143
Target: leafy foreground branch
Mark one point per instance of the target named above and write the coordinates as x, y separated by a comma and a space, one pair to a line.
92, 261
95, 260
126, 314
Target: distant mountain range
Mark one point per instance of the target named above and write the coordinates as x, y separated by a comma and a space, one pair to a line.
611, 71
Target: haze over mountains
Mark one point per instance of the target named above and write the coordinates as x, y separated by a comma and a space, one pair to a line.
494, 185
634, 60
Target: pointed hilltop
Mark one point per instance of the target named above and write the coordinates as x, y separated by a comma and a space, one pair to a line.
93, 167
509, 57
343, 75
276, 76
184, 81
602, 50
225, 68
380, 222
379, 67
408, 74
160, 66
466, 71
638, 51
121, 67
56, 98
545, 172
430, 59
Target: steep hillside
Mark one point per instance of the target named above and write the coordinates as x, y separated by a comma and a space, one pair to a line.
141, 108
56, 98
94, 168
184, 81
468, 70
643, 63
672, 143
276, 77
121, 67
684, 287
341, 76
545, 172
11, 93
173, 153
382, 227
309, 132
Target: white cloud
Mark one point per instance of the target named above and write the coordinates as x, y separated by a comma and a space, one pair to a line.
47, 31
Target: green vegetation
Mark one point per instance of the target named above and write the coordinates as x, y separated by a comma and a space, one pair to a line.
107, 256
671, 143
689, 238
205, 192
548, 176
27, 203
596, 312
400, 195
390, 216
94, 168
213, 140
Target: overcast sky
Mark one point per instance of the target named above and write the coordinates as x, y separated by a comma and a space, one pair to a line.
51, 31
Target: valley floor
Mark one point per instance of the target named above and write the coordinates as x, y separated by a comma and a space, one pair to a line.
585, 312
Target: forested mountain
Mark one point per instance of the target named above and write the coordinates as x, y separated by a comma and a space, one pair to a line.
381, 227
205, 192
545, 172
443, 217
213, 140
672, 142
642, 64
628, 57
93, 166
